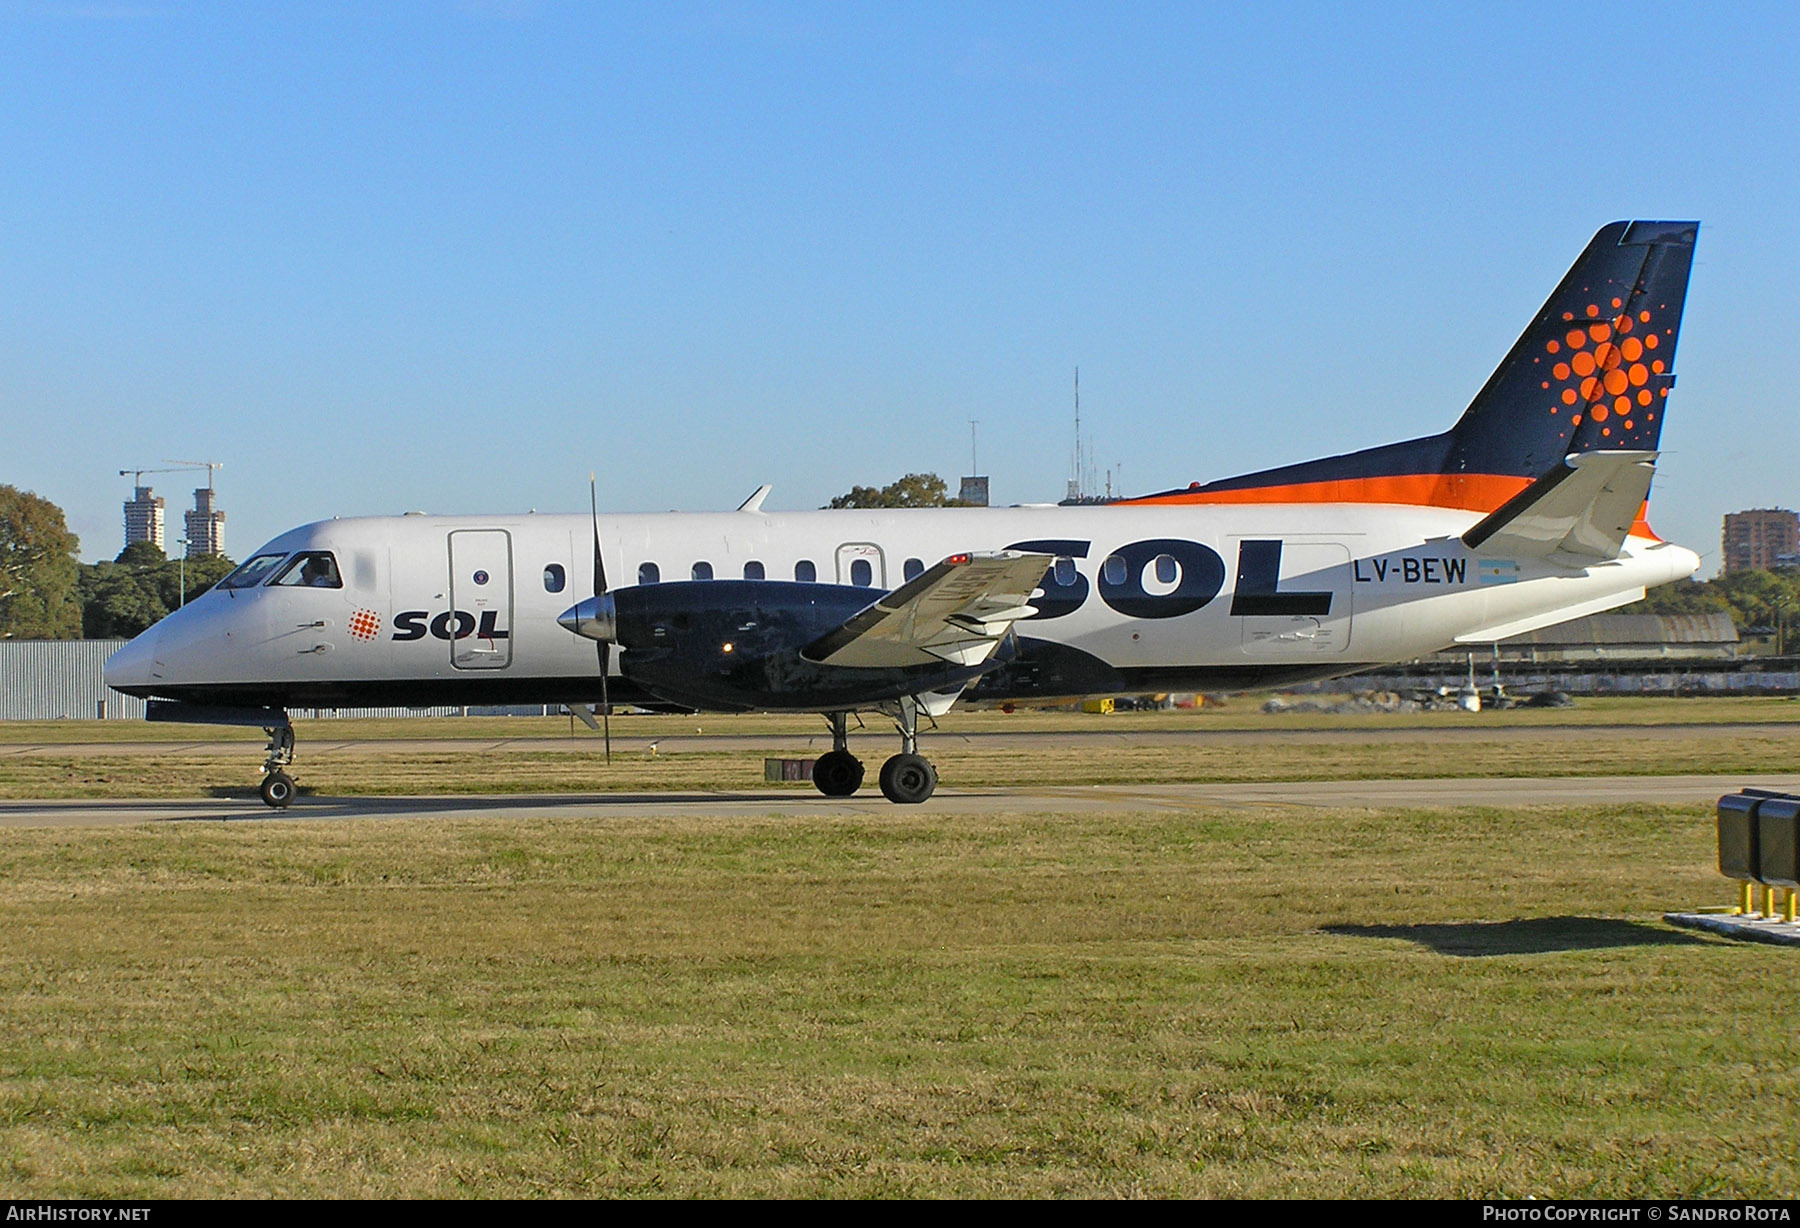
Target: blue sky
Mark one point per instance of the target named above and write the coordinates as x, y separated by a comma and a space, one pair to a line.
386, 256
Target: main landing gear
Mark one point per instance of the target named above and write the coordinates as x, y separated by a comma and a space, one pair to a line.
838, 773
907, 778
277, 786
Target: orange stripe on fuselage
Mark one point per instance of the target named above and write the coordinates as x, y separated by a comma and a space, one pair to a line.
1473, 492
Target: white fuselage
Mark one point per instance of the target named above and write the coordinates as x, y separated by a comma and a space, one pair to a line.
464, 608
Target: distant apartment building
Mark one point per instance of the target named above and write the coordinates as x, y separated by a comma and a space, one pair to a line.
205, 526
1761, 538
144, 517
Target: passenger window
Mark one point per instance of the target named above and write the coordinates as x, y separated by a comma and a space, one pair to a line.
753, 570
1113, 570
805, 572
253, 572
861, 574
554, 577
702, 571
648, 573
1065, 572
912, 568
1166, 570
315, 570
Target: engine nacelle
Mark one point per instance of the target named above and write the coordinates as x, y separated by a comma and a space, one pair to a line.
725, 644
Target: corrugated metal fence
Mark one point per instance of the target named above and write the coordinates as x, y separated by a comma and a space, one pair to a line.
47, 680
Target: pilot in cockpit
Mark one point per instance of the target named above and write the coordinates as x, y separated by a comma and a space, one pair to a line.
318, 572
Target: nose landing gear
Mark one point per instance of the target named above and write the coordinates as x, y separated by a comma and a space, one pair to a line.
277, 788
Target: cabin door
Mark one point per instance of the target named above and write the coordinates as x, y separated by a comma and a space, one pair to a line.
480, 619
1292, 597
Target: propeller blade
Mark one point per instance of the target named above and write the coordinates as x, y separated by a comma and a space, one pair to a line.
599, 563
600, 591
605, 701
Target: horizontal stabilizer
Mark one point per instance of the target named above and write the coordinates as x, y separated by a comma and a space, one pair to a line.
957, 611
1549, 618
1579, 513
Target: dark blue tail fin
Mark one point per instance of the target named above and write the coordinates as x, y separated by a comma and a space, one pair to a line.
1594, 368
1591, 372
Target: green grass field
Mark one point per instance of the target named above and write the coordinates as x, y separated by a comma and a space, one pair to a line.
1252, 1002
351, 757
1221, 1003
1237, 714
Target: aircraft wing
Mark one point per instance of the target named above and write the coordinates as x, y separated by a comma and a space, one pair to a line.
957, 611
1577, 514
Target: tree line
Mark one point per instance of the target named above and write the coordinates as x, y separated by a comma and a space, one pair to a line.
47, 593
1761, 603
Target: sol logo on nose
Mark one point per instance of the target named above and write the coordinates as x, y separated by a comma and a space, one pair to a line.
450, 625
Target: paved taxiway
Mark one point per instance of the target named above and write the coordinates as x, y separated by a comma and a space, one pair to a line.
1068, 799
680, 739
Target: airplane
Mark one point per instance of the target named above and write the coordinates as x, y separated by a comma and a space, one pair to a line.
1528, 511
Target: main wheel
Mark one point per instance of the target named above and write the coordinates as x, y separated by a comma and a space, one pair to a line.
277, 790
907, 779
837, 773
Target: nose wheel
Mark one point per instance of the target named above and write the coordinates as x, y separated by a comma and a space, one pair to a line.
277, 788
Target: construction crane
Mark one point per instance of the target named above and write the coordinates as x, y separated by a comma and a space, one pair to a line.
175, 466
209, 466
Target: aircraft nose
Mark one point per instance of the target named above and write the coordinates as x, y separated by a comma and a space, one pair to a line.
133, 667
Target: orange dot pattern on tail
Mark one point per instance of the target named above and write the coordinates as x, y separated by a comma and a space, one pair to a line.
1600, 369
365, 625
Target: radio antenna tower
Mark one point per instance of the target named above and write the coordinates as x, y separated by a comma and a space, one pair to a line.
1075, 475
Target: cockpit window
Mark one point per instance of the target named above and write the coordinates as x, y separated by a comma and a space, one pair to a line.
253, 571
316, 570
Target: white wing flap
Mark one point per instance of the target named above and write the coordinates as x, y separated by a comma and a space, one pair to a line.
957, 611
1576, 516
